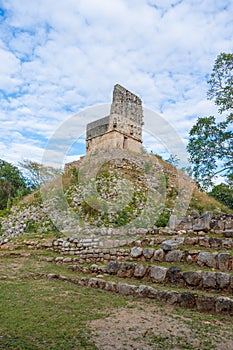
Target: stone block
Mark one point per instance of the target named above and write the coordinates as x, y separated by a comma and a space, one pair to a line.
189, 259
136, 252
209, 280
224, 305
169, 297
215, 242
146, 292
188, 299
191, 240
229, 225
126, 270
228, 233
204, 242
192, 278
203, 223
126, 289
223, 261
140, 270
159, 255
223, 280
173, 274
227, 243
148, 253
207, 259
172, 244
93, 283
174, 256
158, 273
173, 222
110, 286
205, 303
112, 267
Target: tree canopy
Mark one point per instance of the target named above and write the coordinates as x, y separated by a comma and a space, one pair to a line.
221, 82
38, 174
211, 143
223, 193
12, 184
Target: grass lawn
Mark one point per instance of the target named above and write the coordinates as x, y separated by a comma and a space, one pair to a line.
54, 314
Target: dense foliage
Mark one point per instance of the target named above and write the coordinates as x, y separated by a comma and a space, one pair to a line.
12, 184
211, 142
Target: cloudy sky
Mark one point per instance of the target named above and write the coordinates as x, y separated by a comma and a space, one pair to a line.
60, 57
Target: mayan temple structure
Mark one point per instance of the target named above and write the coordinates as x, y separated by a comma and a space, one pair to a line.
122, 129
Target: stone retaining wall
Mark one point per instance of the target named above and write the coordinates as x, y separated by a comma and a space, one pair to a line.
204, 222
153, 273
223, 305
169, 252
202, 280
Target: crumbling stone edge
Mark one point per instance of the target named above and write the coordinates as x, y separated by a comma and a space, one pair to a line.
217, 305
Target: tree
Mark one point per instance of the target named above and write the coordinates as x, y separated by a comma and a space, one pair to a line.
38, 174
223, 193
173, 160
12, 184
221, 82
211, 143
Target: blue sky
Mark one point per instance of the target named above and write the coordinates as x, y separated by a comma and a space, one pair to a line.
59, 57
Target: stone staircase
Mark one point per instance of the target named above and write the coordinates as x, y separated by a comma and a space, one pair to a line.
191, 269
188, 270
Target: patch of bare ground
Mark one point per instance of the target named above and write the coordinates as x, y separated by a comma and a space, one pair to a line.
147, 327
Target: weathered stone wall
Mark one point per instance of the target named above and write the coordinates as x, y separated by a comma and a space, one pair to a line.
223, 305
98, 127
89, 250
122, 129
114, 140
126, 113
173, 275
206, 222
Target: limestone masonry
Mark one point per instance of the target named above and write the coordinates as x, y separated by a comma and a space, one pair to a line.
122, 129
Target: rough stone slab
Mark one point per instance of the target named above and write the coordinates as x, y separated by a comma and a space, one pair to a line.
112, 267
170, 297
172, 244
224, 305
146, 292
223, 280
126, 270
209, 280
205, 303
192, 278
110, 286
159, 255
173, 274
136, 252
203, 223
223, 261
140, 270
228, 233
174, 256
158, 273
148, 253
126, 289
207, 259
188, 299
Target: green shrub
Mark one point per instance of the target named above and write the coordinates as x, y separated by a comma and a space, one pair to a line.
163, 218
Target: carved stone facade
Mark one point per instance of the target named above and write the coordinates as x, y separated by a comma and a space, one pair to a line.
122, 129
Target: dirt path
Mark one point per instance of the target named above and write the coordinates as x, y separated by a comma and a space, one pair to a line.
147, 327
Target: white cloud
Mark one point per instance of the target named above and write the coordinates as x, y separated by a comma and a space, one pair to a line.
59, 57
